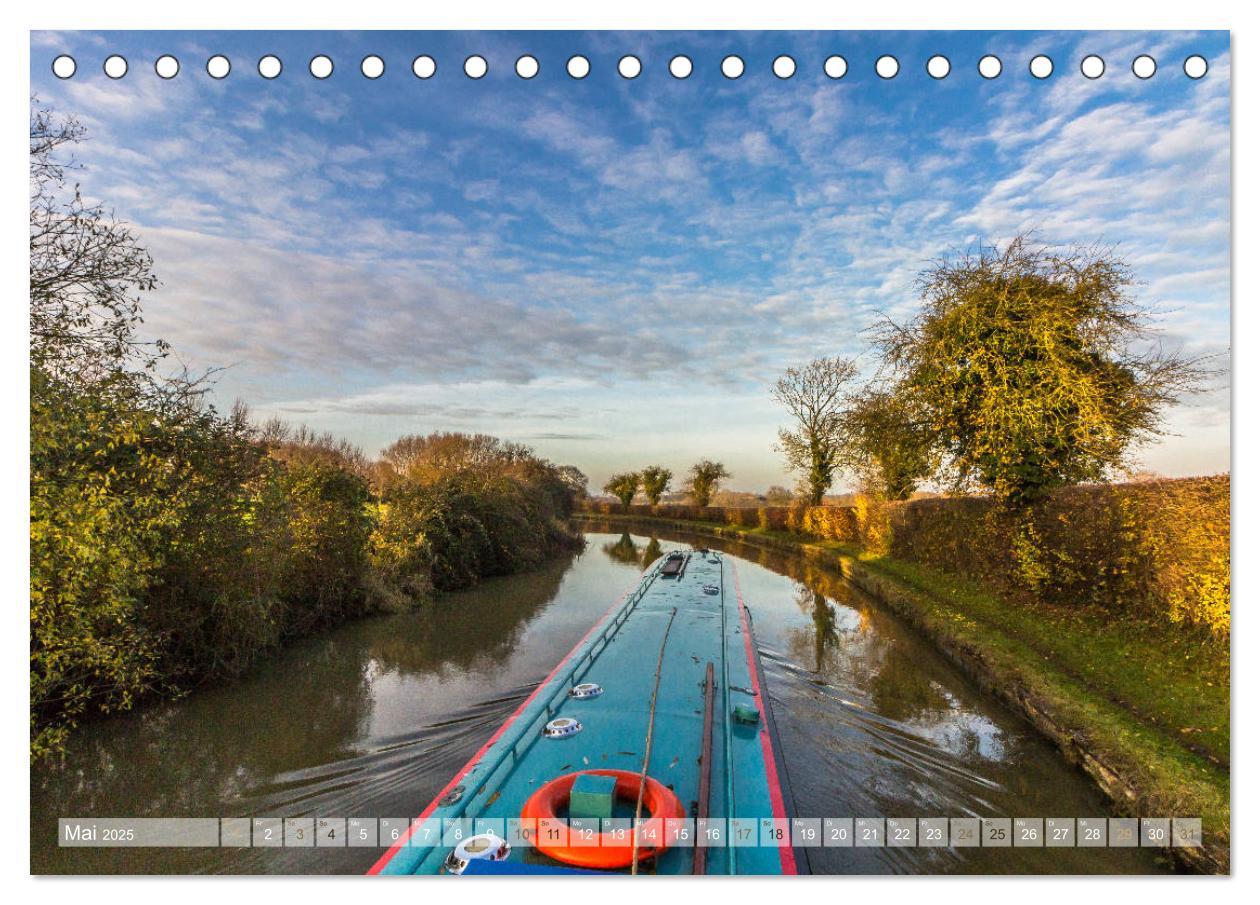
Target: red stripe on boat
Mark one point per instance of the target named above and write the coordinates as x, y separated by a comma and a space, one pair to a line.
472, 761
787, 857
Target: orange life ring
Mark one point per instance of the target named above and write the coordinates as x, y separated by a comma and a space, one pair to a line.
607, 851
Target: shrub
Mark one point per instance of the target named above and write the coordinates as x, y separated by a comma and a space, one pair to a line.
92, 555
1152, 550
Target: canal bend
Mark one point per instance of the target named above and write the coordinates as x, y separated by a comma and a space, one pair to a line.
373, 718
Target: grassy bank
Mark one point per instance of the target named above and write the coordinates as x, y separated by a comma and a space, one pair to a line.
1142, 708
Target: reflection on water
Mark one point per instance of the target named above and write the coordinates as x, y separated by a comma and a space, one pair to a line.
625, 550
875, 722
373, 718
370, 719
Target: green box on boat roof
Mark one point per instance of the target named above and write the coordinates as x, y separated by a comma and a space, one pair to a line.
592, 796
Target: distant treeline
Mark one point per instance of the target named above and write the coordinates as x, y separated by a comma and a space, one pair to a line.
172, 544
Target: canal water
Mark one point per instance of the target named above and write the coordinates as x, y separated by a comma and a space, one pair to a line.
372, 719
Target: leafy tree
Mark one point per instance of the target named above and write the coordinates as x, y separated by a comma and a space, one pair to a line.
101, 493
703, 480
655, 480
458, 507
574, 480
778, 496
433, 457
814, 396
887, 444
92, 555
1034, 367
623, 486
171, 544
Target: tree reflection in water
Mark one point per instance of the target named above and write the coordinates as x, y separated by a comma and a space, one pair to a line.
625, 550
375, 717
300, 733
874, 720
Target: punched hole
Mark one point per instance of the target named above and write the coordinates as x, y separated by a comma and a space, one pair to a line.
423, 66
270, 67
1093, 66
1144, 66
321, 66
527, 66
218, 66
1195, 66
990, 66
64, 66
166, 66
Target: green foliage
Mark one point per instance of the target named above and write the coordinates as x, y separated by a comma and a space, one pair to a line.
1034, 367
888, 445
778, 496
92, 554
490, 518
170, 544
181, 550
623, 486
1155, 552
703, 480
655, 480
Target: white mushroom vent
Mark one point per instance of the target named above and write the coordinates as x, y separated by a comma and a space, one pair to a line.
562, 727
584, 690
482, 847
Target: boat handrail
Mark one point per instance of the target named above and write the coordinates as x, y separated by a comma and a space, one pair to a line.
563, 680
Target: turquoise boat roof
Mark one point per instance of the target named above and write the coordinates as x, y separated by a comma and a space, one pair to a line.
688, 622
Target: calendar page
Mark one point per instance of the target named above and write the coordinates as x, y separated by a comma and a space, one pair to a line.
644, 452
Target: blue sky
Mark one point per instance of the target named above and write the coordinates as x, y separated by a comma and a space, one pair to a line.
613, 270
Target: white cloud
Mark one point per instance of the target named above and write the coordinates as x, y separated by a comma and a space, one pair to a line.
665, 244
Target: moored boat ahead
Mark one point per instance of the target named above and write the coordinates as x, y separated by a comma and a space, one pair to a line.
641, 743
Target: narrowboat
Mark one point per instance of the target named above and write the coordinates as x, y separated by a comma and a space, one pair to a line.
660, 712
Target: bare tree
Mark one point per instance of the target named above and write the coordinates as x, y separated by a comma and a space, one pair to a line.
427, 458
814, 396
87, 269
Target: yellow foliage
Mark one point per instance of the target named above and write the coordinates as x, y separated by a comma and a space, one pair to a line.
1156, 550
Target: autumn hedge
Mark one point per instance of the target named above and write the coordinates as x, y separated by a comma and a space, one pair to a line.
1158, 550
